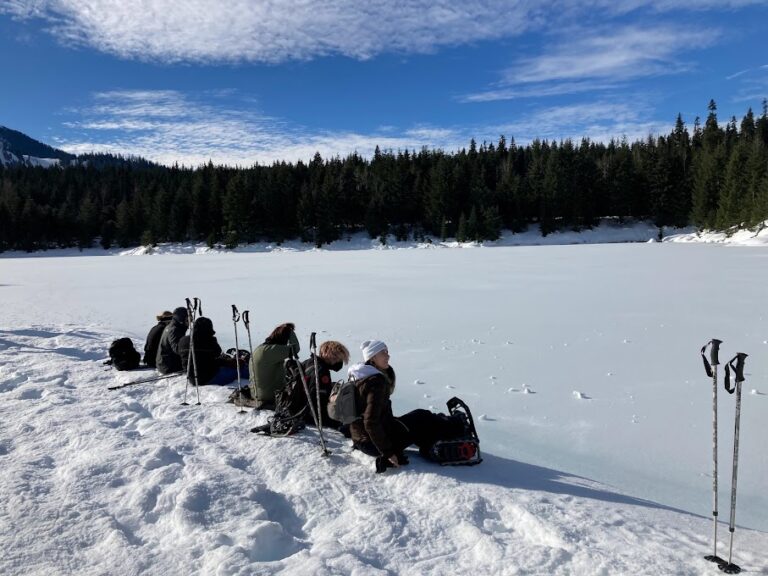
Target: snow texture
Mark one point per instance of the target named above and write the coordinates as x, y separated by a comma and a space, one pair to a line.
131, 482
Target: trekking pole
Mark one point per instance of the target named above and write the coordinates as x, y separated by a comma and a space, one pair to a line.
198, 309
235, 320
144, 381
191, 319
293, 353
711, 371
313, 348
246, 315
730, 567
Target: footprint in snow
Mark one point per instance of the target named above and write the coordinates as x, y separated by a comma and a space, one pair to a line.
449, 387
486, 418
427, 396
626, 341
580, 395
419, 382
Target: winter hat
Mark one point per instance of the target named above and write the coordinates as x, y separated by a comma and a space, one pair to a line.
371, 347
164, 316
180, 314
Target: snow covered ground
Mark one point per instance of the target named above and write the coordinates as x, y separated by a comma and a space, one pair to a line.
580, 363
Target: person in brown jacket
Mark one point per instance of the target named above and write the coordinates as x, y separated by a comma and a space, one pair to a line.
378, 433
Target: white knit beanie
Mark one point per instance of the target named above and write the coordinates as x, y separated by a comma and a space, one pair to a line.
371, 347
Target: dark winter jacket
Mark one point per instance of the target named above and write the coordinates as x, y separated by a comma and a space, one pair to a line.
326, 384
377, 425
267, 374
207, 352
153, 343
168, 357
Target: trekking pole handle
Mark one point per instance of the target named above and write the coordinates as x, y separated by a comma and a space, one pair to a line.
246, 318
199, 306
738, 371
739, 368
714, 350
312, 342
235, 314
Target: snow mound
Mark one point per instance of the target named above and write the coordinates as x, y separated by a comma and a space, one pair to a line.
757, 236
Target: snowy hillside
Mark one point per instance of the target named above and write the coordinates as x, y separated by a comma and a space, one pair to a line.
580, 363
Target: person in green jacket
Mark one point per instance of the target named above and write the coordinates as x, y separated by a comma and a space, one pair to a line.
266, 365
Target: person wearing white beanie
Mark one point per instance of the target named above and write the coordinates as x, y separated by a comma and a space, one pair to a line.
378, 433
372, 347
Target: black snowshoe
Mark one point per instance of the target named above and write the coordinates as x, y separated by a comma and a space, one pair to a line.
464, 450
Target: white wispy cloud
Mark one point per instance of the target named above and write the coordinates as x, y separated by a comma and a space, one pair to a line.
172, 127
753, 86
273, 30
537, 91
599, 121
169, 126
278, 30
622, 54
589, 60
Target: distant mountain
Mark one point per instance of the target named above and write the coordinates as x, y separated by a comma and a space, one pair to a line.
16, 148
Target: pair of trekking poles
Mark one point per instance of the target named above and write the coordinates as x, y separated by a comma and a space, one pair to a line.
194, 306
737, 365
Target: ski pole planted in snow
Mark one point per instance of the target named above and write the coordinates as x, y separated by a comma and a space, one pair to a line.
711, 371
235, 320
313, 348
192, 309
303, 377
729, 567
246, 315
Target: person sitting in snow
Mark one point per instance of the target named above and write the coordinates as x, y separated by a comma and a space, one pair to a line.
212, 367
331, 356
266, 365
153, 338
168, 358
378, 433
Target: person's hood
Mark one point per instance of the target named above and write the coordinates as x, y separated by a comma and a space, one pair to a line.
204, 328
180, 315
360, 371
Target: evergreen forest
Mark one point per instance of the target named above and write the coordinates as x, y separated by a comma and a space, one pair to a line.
713, 176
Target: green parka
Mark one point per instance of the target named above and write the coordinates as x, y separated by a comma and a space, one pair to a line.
266, 369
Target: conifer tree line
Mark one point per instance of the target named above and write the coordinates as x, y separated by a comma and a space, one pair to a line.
714, 176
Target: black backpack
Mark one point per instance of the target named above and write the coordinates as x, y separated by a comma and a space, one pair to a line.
122, 355
291, 405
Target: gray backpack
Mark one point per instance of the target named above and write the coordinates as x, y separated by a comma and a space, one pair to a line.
342, 403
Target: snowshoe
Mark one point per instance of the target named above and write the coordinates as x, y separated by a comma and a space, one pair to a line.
463, 450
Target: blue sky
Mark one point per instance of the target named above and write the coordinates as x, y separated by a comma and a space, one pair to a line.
247, 81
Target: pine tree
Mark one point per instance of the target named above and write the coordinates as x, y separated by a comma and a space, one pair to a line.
735, 189
462, 233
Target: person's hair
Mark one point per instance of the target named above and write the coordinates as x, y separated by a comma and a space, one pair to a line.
281, 334
334, 352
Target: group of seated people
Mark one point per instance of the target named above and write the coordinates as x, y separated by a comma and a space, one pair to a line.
377, 432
